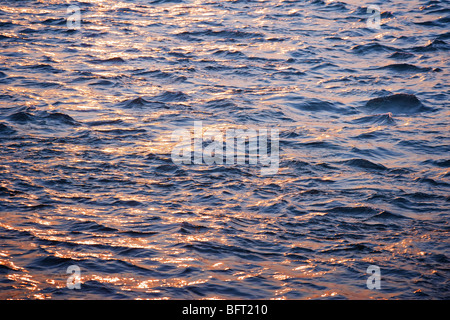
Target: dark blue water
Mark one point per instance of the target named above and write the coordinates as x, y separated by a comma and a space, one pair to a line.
87, 179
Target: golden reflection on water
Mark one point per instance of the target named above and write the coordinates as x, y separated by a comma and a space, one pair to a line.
84, 99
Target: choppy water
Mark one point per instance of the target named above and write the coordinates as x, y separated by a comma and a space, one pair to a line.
87, 177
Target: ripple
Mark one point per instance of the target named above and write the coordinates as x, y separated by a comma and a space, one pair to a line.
43, 118
400, 103
435, 45
373, 47
171, 96
316, 105
5, 130
138, 102
379, 119
386, 216
87, 178
400, 55
364, 164
227, 34
404, 67
114, 60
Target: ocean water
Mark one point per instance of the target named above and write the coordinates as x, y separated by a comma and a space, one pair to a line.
87, 178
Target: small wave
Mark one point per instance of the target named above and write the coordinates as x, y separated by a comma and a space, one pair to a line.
42, 118
404, 67
7, 24
400, 103
168, 168
378, 119
102, 83
127, 203
316, 105
89, 226
229, 53
8, 192
40, 84
401, 55
171, 96
227, 34
436, 10
368, 135
55, 22
42, 68
51, 262
386, 215
364, 164
420, 196
62, 118
443, 163
104, 122
29, 31
289, 73
136, 102
360, 210
372, 48
352, 247
424, 146
94, 34
336, 6
444, 36
435, 45
223, 104
153, 157
5, 130
122, 132
158, 74
193, 228
96, 288
180, 55
432, 182
115, 60
6, 269
166, 1
324, 65
322, 144
21, 117
441, 22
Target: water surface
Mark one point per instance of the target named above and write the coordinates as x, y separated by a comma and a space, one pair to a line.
86, 176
